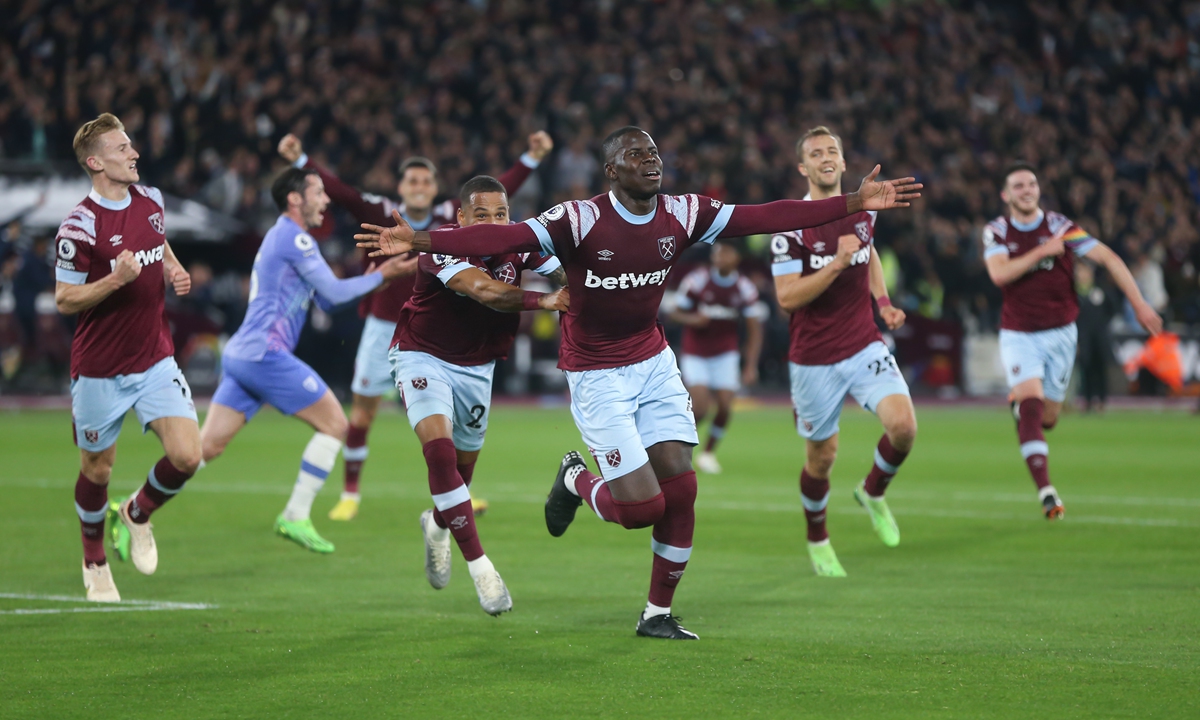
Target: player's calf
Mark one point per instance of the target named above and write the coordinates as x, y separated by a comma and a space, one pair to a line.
671, 541
91, 505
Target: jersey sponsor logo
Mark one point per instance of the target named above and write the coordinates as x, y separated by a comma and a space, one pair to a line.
624, 281
116, 239
143, 257
66, 249
64, 264
420, 383
863, 230
305, 244
613, 458
666, 247
554, 213
506, 273
156, 222
605, 255
819, 261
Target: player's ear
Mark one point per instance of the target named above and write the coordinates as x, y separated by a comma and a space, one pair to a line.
462, 217
800, 167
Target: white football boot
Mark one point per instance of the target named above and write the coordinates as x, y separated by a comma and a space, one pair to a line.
142, 548
99, 583
437, 551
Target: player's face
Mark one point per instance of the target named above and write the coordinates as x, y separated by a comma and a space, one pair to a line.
117, 158
636, 168
822, 162
1022, 192
725, 259
315, 202
418, 188
485, 208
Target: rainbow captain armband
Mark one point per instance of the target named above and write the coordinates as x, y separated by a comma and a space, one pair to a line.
1076, 237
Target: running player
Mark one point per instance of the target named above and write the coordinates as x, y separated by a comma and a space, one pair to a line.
258, 364
627, 397
462, 317
708, 304
826, 278
112, 268
372, 374
1026, 255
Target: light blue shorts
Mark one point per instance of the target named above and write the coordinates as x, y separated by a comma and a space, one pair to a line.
431, 386
372, 368
720, 372
818, 391
622, 411
98, 405
1046, 354
280, 379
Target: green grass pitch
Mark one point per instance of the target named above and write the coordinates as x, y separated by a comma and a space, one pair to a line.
984, 611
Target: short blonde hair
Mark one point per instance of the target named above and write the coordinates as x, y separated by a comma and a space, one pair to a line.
818, 131
87, 139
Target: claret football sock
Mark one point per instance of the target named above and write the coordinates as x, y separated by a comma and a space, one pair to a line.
91, 505
887, 464
814, 494
315, 465
163, 483
451, 497
671, 540
354, 456
717, 430
1033, 441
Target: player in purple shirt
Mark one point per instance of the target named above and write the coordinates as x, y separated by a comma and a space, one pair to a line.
258, 364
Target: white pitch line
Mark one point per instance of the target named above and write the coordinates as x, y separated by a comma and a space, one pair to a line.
122, 606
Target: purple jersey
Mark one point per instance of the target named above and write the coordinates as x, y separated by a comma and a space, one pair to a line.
453, 327
722, 300
126, 332
288, 272
840, 321
1045, 297
617, 265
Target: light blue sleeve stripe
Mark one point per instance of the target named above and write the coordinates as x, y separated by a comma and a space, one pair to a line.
1085, 246
549, 266
790, 267
71, 277
528, 161
718, 224
995, 250
448, 272
543, 236
683, 302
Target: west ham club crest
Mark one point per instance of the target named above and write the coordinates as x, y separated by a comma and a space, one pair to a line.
864, 231
156, 222
506, 273
666, 247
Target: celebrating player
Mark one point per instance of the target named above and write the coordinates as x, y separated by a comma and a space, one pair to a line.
1026, 255
372, 373
113, 265
258, 364
627, 397
708, 304
826, 277
462, 317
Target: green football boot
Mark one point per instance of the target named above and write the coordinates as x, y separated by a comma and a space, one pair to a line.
303, 534
117, 532
881, 516
824, 559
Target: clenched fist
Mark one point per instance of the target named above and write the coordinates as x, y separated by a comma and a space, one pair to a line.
127, 268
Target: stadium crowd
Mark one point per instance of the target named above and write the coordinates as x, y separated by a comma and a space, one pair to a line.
1103, 97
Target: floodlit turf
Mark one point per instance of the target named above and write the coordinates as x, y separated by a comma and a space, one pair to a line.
984, 611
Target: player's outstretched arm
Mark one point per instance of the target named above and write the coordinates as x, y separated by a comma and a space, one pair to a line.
1119, 271
787, 215
795, 290
364, 208
72, 299
540, 146
502, 297
475, 241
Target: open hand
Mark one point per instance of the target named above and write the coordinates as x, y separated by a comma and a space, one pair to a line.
381, 241
749, 376
887, 194
290, 148
1148, 318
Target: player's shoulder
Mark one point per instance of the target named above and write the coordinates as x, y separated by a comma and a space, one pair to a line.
152, 194
580, 216
1056, 221
695, 280
288, 238
746, 287
998, 226
80, 223
784, 244
445, 213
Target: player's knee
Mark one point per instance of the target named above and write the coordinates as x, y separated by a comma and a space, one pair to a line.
211, 449
97, 470
186, 461
636, 515
337, 427
902, 435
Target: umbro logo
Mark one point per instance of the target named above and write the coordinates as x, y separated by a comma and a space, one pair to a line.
606, 254
459, 522
675, 574
819, 246
115, 239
